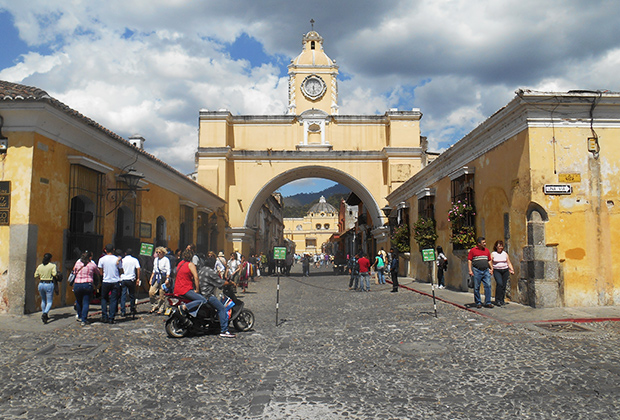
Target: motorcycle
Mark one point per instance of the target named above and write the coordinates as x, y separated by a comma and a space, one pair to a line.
181, 325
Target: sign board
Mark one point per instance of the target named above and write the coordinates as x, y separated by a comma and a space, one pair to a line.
5, 202
146, 249
557, 189
279, 253
146, 230
428, 255
569, 178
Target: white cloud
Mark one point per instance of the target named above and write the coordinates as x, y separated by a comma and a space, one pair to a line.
150, 66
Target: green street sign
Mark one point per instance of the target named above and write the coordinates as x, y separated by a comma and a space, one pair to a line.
428, 255
279, 253
146, 249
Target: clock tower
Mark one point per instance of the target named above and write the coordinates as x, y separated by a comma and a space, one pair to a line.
312, 79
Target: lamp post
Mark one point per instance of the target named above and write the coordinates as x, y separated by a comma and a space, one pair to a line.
132, 178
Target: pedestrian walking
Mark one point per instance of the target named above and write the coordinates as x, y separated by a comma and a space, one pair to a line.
86, 275
159, 281
110, 267
378, 266
45, 273
129, 280
394, 269
354, 272
442, 266
364, 264
233, 266
244, 273
481, 268
305, 265
502, 269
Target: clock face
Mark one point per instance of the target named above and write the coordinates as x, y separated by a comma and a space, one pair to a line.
313, 87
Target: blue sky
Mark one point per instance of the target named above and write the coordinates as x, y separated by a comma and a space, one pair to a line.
148, 67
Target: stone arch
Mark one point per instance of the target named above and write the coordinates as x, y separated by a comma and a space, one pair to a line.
535, 213
315, 171
536, 218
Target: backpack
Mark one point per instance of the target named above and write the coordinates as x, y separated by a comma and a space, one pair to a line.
443, 264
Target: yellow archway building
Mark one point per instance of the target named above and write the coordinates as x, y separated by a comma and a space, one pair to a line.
244, 158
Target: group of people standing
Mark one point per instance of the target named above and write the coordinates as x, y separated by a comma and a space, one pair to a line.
482, 264
360, 270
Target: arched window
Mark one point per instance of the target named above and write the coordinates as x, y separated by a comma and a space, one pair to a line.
299, 227
160, 232
318, 226
326, 226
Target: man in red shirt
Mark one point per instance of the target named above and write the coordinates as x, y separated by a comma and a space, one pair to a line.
364, 273
481, 268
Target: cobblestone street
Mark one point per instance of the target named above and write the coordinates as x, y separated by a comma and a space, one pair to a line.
336, 354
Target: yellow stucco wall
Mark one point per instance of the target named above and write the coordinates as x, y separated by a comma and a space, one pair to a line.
584, 224
16, 166
501, 186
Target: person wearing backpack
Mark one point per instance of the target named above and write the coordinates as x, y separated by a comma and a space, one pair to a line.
442, 265
379, 265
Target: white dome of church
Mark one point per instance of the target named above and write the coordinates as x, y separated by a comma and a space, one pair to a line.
322, 208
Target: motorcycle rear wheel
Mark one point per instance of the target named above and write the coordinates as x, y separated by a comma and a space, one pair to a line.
174, 328
244, 321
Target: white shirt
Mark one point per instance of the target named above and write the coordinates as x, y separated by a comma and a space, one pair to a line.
161, 265
500, 261
219, 267
129, 268
232, 266
111, 265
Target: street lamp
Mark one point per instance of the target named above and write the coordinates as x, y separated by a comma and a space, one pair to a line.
132, 179
387, 210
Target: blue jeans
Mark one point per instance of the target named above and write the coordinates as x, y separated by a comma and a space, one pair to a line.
112, 289
483, 276
365, 279
46, 290
128, 287
82, 292
194, 305
380, 275
354, 280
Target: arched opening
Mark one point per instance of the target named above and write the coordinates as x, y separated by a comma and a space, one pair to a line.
161, 238
332, 174
82, 227
82, 215
325, 222
125, 229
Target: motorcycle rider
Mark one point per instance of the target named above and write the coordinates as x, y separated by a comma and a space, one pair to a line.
187, 284
209, 282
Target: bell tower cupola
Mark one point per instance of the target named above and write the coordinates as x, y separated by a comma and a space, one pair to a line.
313, 80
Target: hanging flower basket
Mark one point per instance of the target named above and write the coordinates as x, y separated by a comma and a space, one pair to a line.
424, 233
401, 238
463, 231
